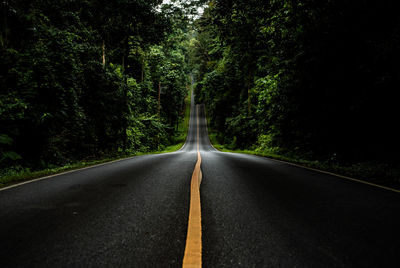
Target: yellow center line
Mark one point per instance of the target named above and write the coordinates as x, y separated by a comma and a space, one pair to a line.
192, 256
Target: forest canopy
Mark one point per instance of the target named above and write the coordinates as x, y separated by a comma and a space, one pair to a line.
89, 79
314, 79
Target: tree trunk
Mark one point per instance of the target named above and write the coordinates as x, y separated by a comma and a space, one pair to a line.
125, 52
142, 76
248, 101
103, 48
159, 98
5, 10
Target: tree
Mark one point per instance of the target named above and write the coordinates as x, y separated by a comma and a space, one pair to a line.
61, 102
316, 78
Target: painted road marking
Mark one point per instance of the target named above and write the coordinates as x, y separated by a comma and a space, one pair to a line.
337, 175
62, 173
192, 257
322, 171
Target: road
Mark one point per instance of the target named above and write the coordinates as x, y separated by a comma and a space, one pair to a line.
255, 212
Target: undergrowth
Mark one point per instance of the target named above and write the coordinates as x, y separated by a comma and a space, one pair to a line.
18, 174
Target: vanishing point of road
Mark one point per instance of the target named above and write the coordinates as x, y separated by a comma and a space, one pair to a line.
255, 212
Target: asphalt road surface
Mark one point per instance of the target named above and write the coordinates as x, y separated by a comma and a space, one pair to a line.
256, 212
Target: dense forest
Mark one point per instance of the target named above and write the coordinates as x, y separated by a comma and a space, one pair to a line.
89, 79
310, 79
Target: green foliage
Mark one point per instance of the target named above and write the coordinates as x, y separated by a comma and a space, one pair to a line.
6, 155
265, 144
59, 103
317, 78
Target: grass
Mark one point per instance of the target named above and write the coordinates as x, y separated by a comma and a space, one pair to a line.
12, 176
182, 131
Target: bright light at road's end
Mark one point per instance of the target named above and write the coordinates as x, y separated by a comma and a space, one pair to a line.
179, 4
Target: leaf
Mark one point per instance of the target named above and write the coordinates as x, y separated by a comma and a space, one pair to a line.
4, 139
11, 155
